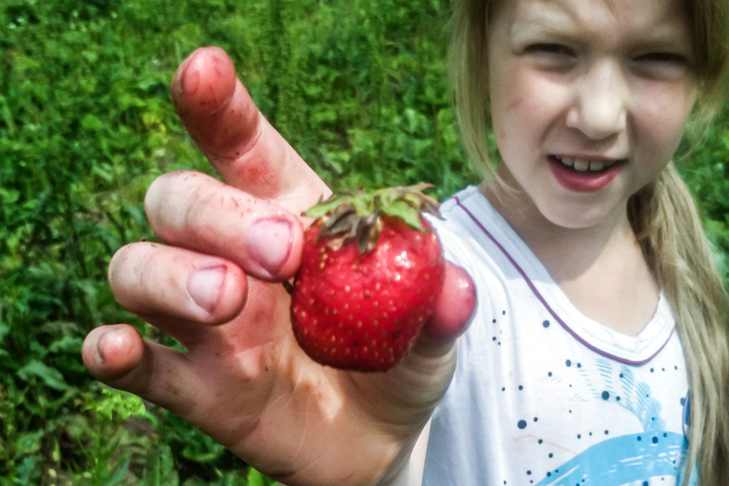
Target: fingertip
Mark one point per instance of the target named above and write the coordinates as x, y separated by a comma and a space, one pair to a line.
204, 81
111, 351
233, 295
455, 306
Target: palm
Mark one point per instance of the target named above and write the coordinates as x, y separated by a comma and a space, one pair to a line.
289, 400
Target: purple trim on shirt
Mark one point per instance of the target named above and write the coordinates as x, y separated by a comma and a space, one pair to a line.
547, 306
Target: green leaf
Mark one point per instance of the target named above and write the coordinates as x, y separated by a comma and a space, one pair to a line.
66, 344
163, 470
402, 210
9, 196
324, 207
90, 56
119, 405
119, 474
255, 478
7, 116
204, 450
91, 122
28, 443
50, 376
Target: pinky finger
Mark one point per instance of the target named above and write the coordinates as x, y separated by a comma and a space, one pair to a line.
118, 356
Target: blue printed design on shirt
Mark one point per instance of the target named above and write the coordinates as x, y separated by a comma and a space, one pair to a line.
653, 454
622, 460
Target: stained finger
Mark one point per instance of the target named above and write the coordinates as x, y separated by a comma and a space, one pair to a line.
454, 309
151, 279
245, 148
198, 212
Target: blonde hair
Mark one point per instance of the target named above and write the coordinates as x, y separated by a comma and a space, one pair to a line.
663, 215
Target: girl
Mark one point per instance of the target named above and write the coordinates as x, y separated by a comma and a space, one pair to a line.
613, 338
597, 351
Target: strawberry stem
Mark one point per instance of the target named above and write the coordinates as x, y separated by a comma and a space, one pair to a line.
358, 215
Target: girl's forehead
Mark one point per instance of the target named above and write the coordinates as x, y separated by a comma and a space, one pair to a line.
617, 19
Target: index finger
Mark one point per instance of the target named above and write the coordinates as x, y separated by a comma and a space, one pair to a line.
244, 147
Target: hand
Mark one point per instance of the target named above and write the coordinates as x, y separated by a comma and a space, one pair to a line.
214, 285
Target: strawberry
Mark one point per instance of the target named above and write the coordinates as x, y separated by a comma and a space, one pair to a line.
371, 271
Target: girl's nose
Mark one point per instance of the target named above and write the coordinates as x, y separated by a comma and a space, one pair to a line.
599, 108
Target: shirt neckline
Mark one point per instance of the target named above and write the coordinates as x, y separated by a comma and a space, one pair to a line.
631, 350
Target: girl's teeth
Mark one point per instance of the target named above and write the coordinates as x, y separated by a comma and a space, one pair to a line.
567, 162
595, 166
581, 165
584, 165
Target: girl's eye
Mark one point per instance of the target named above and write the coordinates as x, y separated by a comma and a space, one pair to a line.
662, 65
552, 57
662, 57
550, 49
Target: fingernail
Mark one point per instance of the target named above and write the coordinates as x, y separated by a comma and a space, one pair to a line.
112, 338
268, 242
204, 286
190, 81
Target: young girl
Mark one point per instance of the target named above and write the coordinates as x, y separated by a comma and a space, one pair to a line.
608, 335
597, 350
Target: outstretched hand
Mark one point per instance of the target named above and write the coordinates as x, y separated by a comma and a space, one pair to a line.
214, 285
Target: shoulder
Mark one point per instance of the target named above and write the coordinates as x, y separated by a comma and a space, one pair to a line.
460, 227
470, 231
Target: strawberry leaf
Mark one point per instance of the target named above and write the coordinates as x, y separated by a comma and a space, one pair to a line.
401, 209
357, 215
363, 204
327, 206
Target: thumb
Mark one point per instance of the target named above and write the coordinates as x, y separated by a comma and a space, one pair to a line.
453, 312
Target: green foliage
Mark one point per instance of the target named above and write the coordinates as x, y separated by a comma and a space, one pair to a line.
86, 125
706, 170
357, 86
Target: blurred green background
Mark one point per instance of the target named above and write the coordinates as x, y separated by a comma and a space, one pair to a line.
357, 86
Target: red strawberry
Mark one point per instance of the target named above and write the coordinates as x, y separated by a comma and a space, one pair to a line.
371, 271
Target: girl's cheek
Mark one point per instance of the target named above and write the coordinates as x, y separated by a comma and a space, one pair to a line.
520, 92
664, 102
545, 96
661, 116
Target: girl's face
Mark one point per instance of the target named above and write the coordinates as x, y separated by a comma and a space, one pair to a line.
588, 100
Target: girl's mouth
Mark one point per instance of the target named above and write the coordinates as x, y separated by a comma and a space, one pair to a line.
584, 175
580, 165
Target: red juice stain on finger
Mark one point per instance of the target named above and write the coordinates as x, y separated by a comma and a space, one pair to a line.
211, 101
259, 177
218, 66
265, 305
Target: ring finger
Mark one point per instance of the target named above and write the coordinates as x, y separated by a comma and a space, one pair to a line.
176, 289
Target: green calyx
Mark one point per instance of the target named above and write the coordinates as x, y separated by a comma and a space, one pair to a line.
358, 215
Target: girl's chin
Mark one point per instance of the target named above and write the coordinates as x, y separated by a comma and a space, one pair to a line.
579, 218
554, 211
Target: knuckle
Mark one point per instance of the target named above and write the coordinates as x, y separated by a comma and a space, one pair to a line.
199, 212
